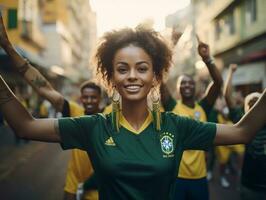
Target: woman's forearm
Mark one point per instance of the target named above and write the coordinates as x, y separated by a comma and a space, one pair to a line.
14, 112
28, 72
18, 61
34, 78
23, 124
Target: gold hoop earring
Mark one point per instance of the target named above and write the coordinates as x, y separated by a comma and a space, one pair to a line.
156, 105
115, 110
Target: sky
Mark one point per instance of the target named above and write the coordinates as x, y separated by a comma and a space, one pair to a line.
113, 14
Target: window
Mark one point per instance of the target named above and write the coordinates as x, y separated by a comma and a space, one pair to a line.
12, 19
230, 23
250, 11
218, 29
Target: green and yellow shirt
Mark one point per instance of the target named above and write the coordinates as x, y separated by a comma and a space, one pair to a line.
193, 163
79, 166
132, 164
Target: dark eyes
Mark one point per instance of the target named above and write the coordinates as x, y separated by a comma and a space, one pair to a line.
142, 69
122, 70
187, 81
125, 69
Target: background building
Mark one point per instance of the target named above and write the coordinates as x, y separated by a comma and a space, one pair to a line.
56, 36
185, 57
23, 23
70, 29
237, 33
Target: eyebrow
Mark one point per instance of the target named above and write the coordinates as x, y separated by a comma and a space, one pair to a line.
121, 62
141, 62
138, 63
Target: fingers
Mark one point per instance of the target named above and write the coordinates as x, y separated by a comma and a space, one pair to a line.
198, 39
201, 44
233, 67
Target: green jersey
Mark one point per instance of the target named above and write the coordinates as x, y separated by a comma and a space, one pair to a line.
235, 114
130, 165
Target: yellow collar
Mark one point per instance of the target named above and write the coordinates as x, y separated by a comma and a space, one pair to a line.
126, 124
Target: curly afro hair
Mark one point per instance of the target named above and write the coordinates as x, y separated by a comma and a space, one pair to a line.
147, 39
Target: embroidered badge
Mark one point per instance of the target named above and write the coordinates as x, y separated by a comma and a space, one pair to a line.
197, 115
167, 144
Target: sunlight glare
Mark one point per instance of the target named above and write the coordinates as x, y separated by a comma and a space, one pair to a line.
112, 14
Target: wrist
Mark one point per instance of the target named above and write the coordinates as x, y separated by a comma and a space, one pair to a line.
208, 60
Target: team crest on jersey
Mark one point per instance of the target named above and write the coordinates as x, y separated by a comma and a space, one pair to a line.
197, 115
167, 144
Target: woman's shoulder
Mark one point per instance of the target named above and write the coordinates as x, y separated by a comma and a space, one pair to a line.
96, 116
168, 117
171, 115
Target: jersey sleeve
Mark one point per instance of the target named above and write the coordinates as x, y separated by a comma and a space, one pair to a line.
75, 109
66, 109
212, 117
169, 104
235, 114
206, 106
75, 132
196, 135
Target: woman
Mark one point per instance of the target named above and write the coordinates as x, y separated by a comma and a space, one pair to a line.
137, 156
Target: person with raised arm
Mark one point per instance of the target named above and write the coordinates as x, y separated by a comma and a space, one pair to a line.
191, 181
135, 151
235, 112
79, 166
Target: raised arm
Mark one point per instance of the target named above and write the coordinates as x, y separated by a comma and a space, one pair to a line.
246, 128
227, 91
29, 73
23, 124
214, 87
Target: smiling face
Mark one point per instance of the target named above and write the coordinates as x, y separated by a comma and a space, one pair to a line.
186, 87
90, 99
132, 73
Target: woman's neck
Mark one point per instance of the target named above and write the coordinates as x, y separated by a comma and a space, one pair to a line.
135, 112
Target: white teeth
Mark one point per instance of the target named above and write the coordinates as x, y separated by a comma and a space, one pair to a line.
133, 87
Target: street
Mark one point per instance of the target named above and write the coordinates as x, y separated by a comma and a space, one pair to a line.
32, 171
36, 170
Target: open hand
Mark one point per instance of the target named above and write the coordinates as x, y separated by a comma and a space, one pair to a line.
203, 50
4, 41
